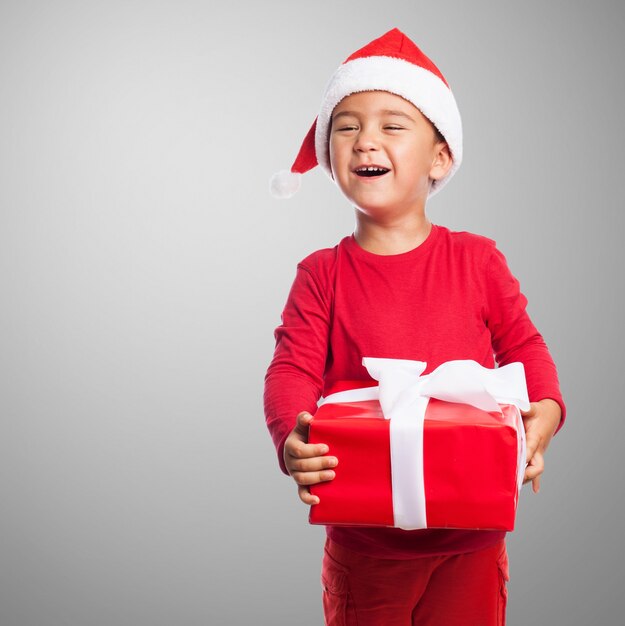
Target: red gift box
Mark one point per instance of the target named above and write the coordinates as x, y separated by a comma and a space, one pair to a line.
469, 464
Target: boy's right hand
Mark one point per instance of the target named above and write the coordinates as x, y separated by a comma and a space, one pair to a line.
305, 461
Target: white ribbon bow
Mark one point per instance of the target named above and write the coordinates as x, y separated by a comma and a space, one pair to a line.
404, 395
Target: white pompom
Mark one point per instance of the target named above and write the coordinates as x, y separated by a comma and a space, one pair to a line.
285, 184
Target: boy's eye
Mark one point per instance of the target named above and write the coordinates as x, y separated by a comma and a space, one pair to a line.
394, 127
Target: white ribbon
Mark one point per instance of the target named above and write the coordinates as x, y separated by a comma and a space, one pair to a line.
404, 395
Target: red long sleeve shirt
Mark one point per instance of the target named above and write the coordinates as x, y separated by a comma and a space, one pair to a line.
452, 297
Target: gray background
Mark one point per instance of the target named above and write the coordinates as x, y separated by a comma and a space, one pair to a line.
144, 267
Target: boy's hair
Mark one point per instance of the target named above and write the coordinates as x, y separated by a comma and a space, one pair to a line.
390, 63
437, 133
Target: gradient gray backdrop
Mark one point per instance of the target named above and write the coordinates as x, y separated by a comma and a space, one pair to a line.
145, 267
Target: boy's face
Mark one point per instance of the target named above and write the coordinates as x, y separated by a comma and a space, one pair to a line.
381, 128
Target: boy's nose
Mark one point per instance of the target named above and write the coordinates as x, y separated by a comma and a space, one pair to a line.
366, 141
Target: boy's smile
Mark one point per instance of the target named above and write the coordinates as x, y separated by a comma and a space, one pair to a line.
384, 151
371, 170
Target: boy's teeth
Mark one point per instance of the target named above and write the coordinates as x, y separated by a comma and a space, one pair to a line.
376, 170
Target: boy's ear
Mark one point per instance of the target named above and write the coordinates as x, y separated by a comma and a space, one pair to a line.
442, 161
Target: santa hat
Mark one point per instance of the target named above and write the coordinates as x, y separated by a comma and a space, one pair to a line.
390, 63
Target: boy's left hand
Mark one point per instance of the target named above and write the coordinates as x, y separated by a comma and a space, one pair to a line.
541, 422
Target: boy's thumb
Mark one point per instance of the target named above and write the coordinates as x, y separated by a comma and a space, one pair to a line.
531, 411
303, 420
531, 447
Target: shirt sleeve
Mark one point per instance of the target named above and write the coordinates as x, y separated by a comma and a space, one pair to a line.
514, 336
294, 378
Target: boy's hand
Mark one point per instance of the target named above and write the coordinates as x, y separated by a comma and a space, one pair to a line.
540, 423
305, 461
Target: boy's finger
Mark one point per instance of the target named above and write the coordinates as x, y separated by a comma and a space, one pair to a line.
314, 464
535, 468
531, 448
303, 421
312, 478
531, 451
305, 496
301, 450
536, 484
530, 412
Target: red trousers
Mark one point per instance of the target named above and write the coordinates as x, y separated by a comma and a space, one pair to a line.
455, 590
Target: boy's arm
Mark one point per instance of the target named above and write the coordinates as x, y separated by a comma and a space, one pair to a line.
294, 378
515, 338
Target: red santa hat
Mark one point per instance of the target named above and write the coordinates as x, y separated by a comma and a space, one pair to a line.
390, 63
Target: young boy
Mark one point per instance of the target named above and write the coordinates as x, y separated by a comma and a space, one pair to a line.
389, 134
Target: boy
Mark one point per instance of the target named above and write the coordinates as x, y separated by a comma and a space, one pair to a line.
389, 134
